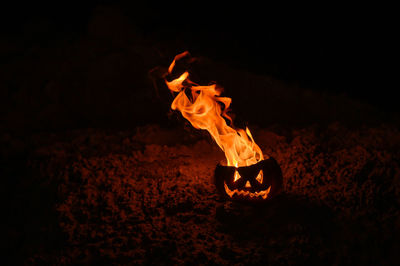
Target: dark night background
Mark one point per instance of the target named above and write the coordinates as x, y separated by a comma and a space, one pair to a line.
69, 70
342, 50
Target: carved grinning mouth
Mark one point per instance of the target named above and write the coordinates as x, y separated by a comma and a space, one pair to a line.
231, 193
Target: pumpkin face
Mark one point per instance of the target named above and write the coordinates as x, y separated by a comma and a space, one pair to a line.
257, 182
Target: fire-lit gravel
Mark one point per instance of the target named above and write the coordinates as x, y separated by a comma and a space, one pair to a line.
147, 196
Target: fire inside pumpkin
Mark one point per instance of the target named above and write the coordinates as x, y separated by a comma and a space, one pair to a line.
246, 174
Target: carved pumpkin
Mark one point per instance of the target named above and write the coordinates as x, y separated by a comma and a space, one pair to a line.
258, 182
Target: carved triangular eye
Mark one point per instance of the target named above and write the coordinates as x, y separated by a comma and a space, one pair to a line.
236, 177
259, 177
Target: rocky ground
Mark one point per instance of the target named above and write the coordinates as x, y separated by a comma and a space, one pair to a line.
147, 196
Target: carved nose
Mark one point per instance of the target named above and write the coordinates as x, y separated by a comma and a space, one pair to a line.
247, 184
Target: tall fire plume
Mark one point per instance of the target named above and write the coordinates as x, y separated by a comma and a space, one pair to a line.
208, 110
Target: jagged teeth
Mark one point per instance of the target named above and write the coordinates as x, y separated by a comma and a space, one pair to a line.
263, 194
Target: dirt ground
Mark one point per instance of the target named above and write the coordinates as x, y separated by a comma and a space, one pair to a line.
147, 196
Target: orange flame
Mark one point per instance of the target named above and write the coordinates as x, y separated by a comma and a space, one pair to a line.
207, 110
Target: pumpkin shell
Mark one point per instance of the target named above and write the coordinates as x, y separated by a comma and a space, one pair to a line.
272, 177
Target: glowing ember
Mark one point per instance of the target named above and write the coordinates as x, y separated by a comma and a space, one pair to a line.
207, 110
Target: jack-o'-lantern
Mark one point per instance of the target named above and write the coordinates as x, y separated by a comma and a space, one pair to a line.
256, 182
